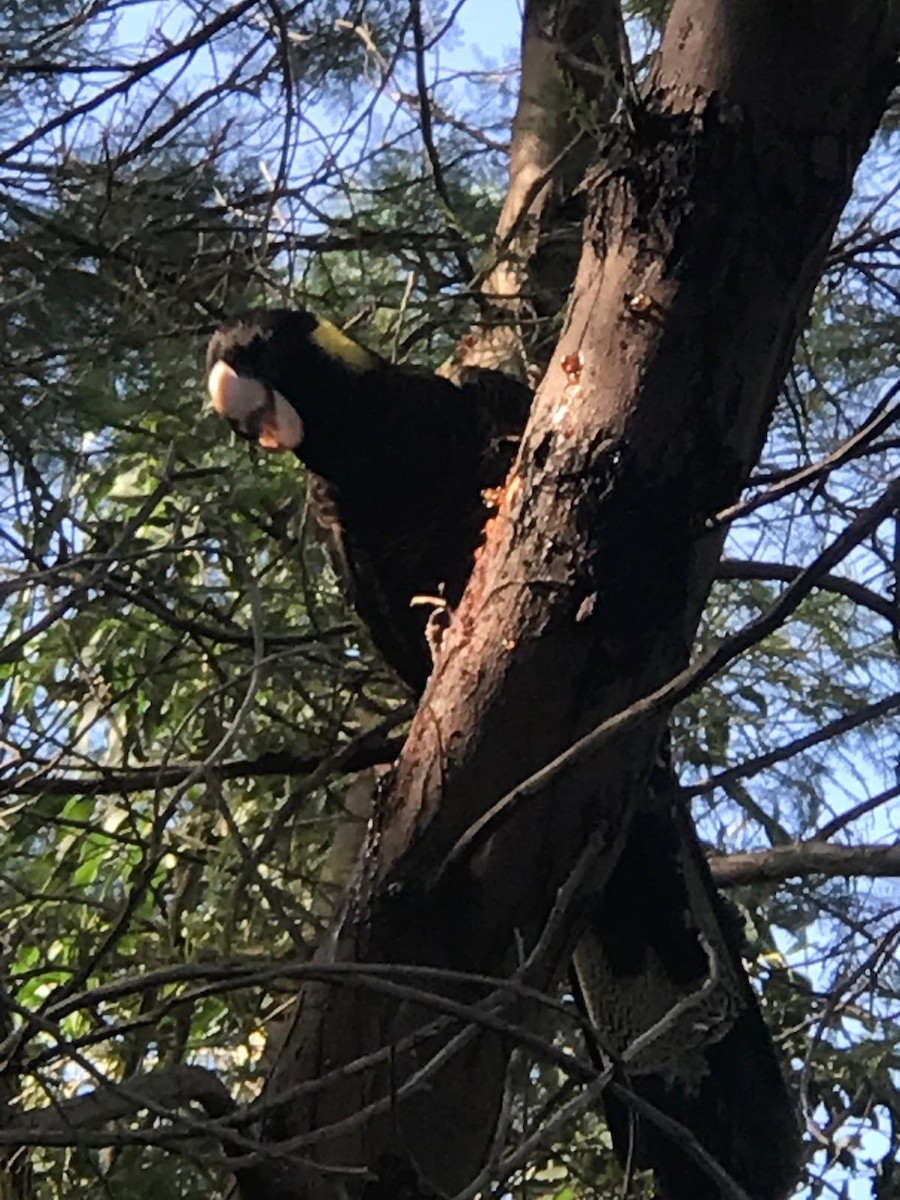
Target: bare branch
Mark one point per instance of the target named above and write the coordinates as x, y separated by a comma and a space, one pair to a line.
881, 420
434, 160
140, 71
842, 820
807, 858
762, 762
365, 751
733, 568
171, 1088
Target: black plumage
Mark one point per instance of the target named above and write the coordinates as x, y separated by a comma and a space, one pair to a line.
401, 460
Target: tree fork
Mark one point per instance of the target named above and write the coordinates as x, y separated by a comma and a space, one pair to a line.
710, 222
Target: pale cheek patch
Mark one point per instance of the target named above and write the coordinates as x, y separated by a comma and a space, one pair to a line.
232, 397
280, 428
254, 411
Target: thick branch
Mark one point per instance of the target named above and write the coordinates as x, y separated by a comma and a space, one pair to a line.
171, 1088
807, 858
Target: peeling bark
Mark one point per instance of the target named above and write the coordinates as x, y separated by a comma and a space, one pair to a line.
710, 220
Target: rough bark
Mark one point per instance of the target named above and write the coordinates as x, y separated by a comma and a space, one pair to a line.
711, 217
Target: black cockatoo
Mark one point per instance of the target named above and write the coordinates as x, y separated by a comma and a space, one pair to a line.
401, 460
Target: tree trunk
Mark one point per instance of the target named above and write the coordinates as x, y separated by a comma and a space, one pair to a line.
711, 213
573, 57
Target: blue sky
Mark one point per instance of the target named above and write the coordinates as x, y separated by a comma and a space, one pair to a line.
489, 33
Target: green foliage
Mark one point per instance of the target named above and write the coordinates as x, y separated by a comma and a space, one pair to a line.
179, 675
